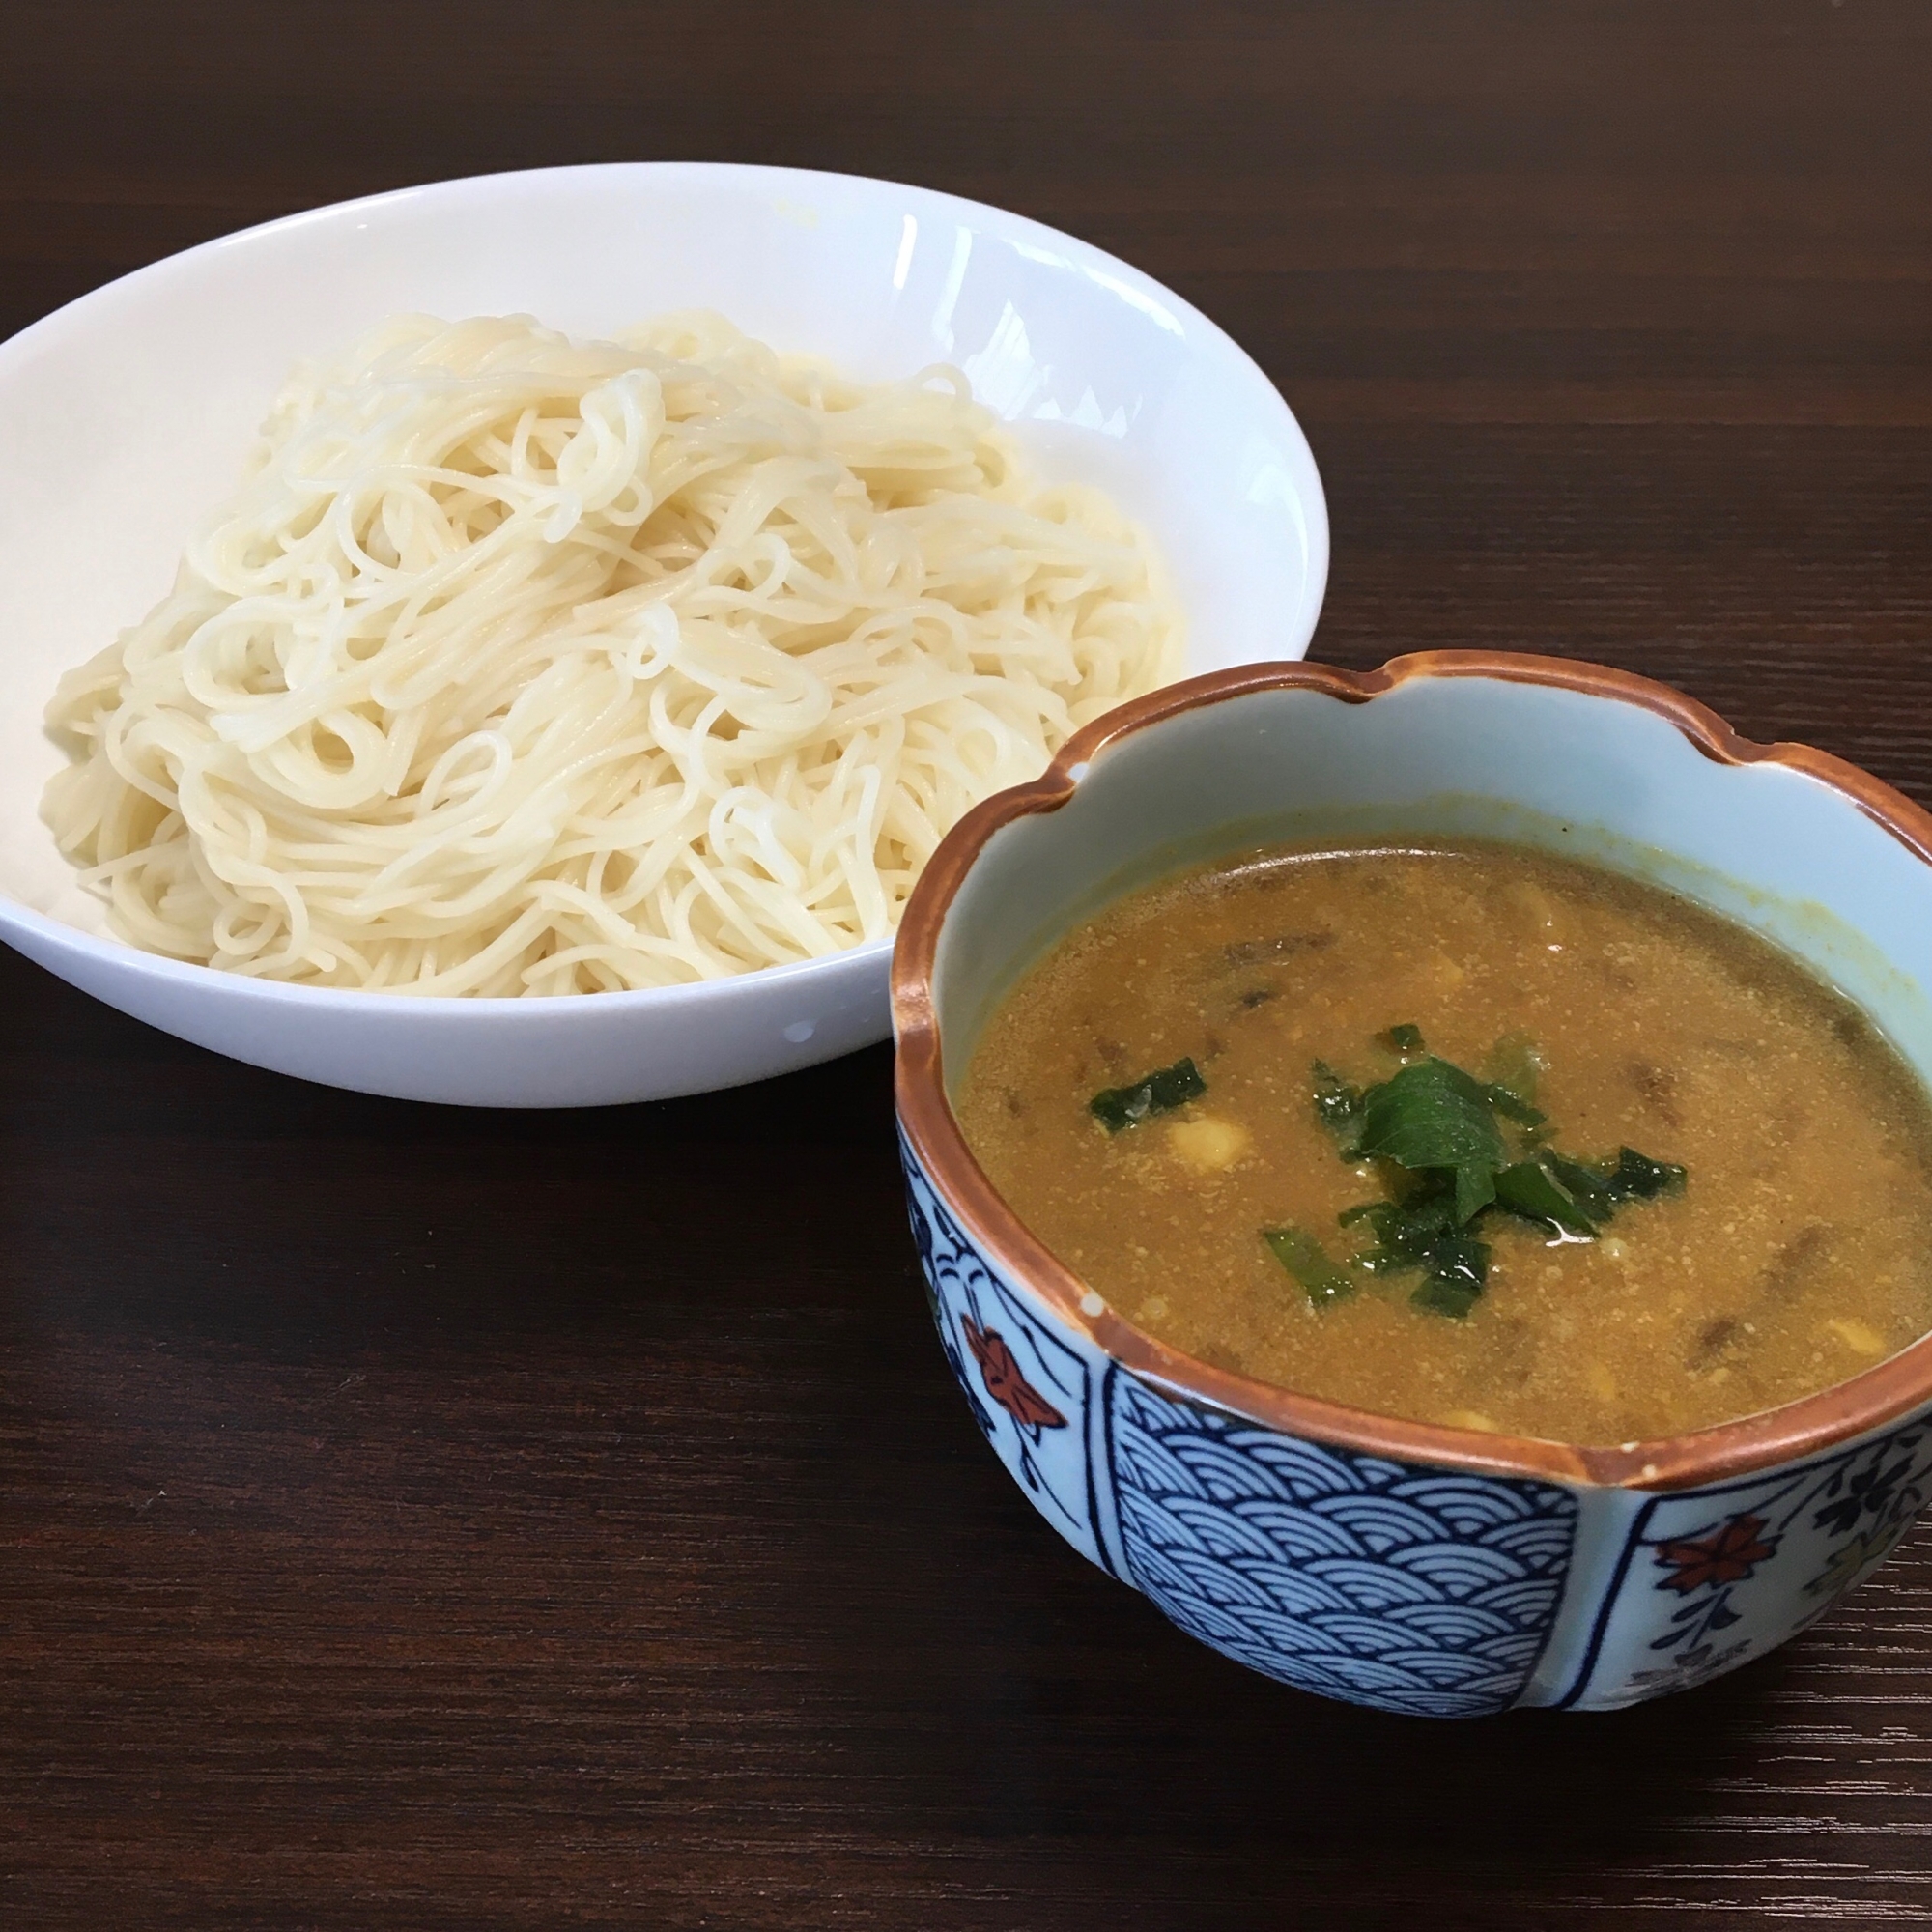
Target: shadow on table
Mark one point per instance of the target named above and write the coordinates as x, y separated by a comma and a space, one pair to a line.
1223, 1791
1077, 1739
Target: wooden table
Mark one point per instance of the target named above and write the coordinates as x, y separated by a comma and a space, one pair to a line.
424, 1518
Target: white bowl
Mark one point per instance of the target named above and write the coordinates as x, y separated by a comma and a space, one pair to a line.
126, 414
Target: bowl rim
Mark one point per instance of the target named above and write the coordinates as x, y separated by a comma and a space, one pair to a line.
1122, 277
1769, 1437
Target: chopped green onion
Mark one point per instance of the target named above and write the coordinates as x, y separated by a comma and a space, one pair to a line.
1583, 1185
1423, 1233
1309, 1262
1528, 1189
1637, 1178
1452, 1298
1338, 1106
1512, 1106
1158, 1092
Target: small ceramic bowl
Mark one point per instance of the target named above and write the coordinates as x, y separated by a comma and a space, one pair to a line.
127, 413
1416, 1568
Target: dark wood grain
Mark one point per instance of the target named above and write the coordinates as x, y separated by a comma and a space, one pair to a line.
421, 1519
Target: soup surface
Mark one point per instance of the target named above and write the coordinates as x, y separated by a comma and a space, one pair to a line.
1466, 1134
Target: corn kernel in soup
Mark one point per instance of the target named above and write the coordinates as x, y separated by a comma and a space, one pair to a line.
1465, 1133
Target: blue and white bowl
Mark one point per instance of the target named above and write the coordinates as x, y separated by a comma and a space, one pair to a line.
1421, 1569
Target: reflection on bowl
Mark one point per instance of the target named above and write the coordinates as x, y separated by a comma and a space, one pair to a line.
1410, 1566
129, 412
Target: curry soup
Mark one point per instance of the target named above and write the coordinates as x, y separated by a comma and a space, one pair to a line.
1467, 1135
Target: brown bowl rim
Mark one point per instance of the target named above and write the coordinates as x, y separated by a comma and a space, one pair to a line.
1772, 1437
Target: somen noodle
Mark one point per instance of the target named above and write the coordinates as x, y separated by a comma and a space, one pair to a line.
520, 665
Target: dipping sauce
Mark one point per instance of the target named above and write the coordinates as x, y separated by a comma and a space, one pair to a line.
1718, 1176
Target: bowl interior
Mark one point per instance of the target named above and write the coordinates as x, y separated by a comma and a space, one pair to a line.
127, 415
1569, 771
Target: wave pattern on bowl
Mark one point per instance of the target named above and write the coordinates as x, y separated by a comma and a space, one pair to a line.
1424, 1592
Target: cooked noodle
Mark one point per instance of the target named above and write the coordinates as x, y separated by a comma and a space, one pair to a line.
525, 667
